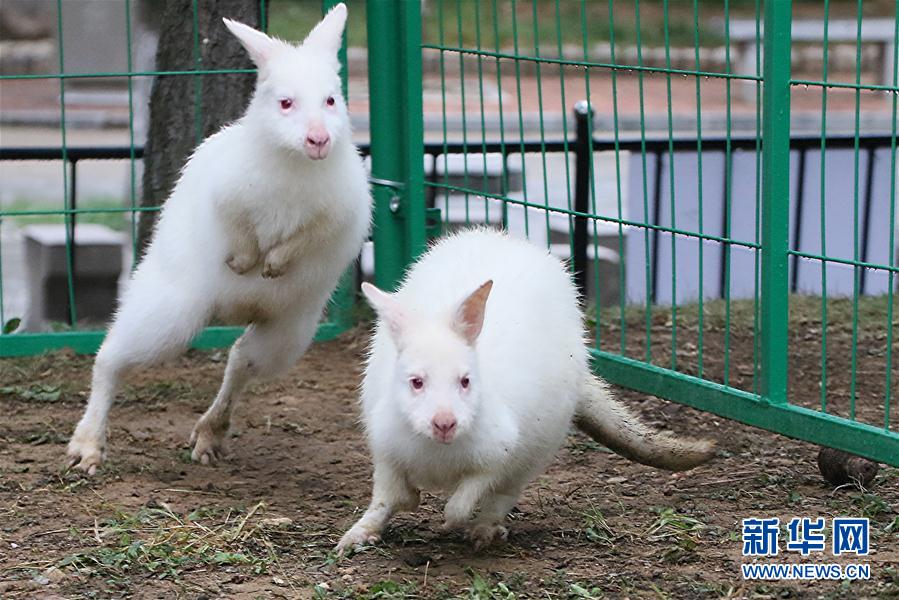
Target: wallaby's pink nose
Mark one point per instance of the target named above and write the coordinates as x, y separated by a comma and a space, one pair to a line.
444, 426
317, 142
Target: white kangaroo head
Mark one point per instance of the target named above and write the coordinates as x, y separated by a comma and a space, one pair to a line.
435, 379
298, 101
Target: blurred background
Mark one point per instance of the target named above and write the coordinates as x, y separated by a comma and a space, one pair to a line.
469, 98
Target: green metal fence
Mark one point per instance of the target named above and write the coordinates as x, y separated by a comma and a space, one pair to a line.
72, 333
508, 62
678, 173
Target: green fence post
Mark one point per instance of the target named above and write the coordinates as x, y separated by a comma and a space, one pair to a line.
775, 200
397, 136
340, 309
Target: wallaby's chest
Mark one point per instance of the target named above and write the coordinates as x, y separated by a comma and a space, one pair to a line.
289, 206
438, 477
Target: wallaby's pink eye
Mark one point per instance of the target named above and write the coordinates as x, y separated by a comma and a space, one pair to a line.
286, 103
330, 101
417, 383
465, 382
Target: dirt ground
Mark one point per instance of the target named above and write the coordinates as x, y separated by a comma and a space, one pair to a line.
263, 524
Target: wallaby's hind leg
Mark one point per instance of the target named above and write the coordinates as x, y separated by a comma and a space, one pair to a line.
147, 329
264, 351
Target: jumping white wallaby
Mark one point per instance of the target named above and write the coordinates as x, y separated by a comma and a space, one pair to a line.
477, 368
267, 214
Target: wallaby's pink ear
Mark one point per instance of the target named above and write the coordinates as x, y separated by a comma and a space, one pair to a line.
469, 318
328, 34
259, 46
388, 308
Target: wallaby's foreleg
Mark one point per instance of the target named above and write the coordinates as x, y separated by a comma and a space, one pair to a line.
278, 257
264, 351
151, 325
488, 526
466, 498
243, 247
392, 493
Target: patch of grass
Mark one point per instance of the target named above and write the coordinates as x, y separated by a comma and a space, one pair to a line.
42, 436
156, 394
596, 528
870, 505
387, 589
893, 527
576, 590
482, 588
156, 542
33, 393
680, 533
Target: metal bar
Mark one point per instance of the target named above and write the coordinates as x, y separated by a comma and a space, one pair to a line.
518, 95
894, 174
756, 256
656, 219
132, 167
595, 217
797, 221
587, 63
775, 202
87, 342
120, 74
71, 312
462, 103
779, 417
846, 261
866, 216
671, 188
823, 207
727, 199
856, 272
844, 85
568, 194
343, 300
725, 227
583, 156
700, 212
395, 108
653, 144
647, 272
71, 219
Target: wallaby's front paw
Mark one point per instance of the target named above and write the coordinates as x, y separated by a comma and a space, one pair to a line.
483, 535
274, 267
358, 535
208, 443
241, 263
86, 454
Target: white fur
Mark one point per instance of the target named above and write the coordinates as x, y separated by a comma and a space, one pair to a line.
529, 376
251, 185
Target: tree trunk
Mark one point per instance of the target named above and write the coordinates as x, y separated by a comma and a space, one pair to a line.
185, 109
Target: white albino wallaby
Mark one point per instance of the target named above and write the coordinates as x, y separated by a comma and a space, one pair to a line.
266, 216
477, 369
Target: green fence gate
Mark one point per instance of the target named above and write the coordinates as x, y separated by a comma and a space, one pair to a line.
505, 63
652, 144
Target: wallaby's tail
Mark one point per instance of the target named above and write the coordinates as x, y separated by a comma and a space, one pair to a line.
611, 424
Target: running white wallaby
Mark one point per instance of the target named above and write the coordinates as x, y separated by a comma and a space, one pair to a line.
267, 214
477, 368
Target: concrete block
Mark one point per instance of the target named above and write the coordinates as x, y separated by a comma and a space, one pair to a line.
98, 265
